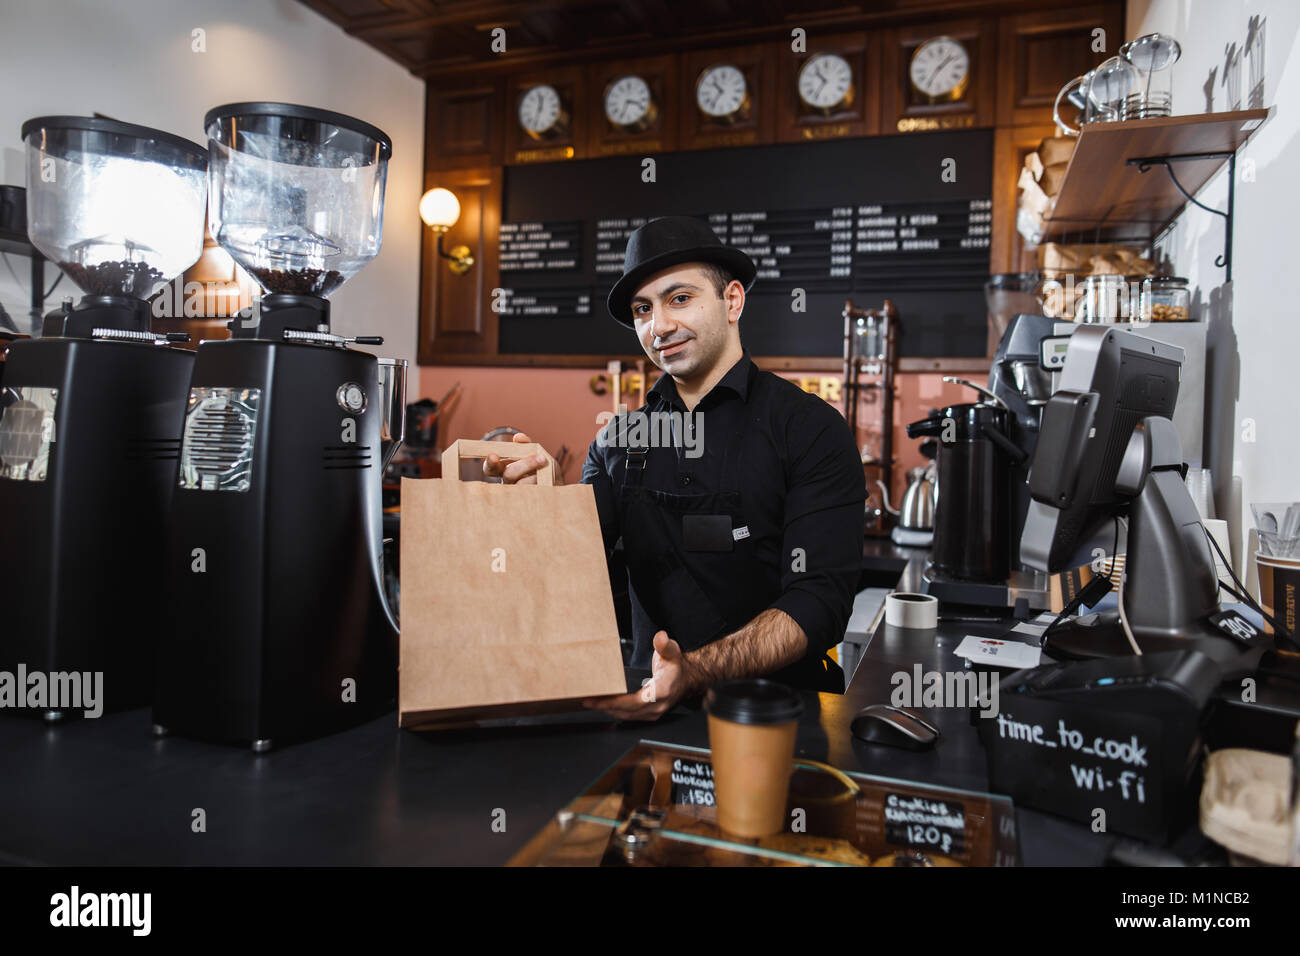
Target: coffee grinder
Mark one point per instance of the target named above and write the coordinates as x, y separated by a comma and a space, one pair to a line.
91, 412
279, 629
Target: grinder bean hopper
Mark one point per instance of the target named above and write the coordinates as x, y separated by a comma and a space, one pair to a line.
280, 630
90, 412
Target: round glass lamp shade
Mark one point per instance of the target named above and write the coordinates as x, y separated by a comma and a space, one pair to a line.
439, 208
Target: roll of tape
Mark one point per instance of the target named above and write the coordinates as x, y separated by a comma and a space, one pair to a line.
911, 610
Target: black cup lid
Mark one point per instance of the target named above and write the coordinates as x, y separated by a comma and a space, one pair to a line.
753, 701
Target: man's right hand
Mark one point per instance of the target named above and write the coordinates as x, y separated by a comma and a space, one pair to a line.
512, 471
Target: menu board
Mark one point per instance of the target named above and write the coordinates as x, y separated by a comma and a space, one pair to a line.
900, 217
540, 246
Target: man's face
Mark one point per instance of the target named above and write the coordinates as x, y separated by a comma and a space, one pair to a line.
681, 321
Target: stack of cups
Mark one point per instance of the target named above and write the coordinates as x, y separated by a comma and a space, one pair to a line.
1279, 580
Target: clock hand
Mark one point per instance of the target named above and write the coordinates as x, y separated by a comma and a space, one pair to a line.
938, 68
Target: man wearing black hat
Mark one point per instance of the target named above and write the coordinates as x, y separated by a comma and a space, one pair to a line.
744, 548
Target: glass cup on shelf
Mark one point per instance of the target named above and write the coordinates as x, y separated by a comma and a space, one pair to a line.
1108, 88
1152, 57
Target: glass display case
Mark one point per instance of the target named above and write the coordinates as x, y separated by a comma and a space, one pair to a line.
655, 807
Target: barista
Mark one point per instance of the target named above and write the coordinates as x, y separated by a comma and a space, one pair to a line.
743, 535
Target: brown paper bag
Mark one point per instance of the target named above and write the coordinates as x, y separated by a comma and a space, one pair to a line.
506, 606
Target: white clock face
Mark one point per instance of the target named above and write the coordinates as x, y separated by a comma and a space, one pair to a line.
539, 109
628, 101
940, 67
826, 81
720, 91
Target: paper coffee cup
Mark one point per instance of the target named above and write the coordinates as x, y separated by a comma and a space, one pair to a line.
752, 726
1279, 580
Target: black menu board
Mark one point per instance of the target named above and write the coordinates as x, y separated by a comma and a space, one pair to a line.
900, 217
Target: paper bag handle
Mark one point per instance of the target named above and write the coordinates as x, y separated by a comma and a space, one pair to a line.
464, 448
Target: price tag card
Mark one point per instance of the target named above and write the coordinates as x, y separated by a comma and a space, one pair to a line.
692, 783
995, 652
925, 823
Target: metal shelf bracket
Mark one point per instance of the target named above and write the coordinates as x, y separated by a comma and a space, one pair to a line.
1146, 163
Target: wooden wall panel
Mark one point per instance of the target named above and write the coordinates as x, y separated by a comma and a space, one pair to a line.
904, 111
1007, 251
571, 83
661, 75
463, 126
456, 315
1019, 61
1040, 52
759, 65
795, 123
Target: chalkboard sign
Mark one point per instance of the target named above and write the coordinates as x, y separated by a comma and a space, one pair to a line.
1126, 771
926, 823
900, 217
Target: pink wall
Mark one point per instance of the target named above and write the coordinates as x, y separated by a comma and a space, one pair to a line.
557, 407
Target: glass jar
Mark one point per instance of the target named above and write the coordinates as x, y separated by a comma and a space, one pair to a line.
1165, 299
1107, 88
1153, 56
1106, 298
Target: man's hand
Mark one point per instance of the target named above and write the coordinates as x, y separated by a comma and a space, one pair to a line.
669, 682
521, 471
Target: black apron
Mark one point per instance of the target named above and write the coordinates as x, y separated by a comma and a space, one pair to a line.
694, 567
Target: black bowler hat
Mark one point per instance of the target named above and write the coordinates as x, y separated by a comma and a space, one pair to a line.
672, 241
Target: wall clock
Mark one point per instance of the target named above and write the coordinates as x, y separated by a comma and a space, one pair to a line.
721, 93
940, 70
826, 83
629, 104
541, 112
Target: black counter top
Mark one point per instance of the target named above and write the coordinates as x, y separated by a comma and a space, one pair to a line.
106, 791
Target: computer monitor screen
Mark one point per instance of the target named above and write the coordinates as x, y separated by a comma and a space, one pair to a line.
1112, 379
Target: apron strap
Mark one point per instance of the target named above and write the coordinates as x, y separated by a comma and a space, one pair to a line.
634, 467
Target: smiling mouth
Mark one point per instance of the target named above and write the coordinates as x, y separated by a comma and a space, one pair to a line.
672, 349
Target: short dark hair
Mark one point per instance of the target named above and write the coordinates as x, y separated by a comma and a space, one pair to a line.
718, 276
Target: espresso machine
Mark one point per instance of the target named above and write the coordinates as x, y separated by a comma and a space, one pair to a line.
279, 627
91, 411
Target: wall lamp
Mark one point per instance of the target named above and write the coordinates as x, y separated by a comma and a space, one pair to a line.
439, 208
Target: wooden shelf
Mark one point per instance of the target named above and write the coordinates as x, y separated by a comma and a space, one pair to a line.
1103, 198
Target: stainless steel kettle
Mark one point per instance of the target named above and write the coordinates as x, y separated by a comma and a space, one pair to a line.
916, 513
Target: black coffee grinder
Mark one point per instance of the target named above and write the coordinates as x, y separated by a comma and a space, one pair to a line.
279, 628
91, 411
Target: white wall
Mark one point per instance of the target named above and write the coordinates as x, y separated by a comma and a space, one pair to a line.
1255, 321
134, 60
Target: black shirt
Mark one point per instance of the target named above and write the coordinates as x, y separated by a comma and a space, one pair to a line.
799, 474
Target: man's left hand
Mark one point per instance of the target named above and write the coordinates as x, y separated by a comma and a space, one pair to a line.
667, 685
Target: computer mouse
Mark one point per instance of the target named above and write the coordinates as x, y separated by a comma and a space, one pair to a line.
884, 724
